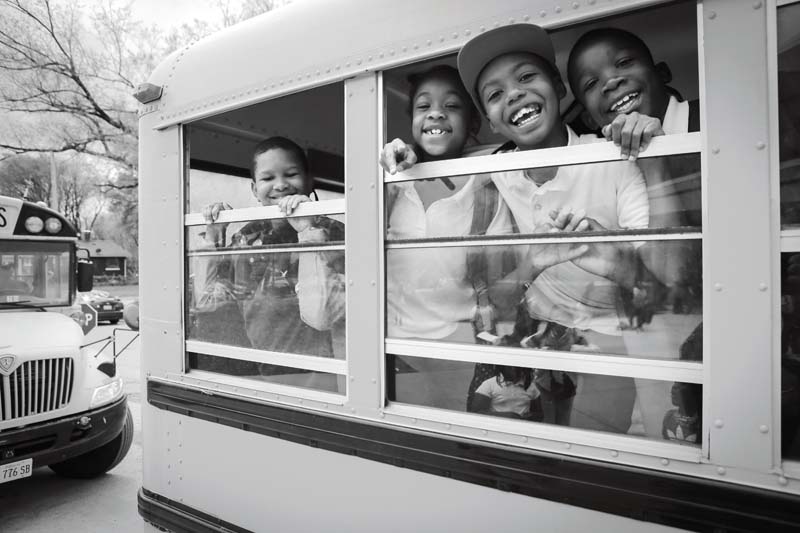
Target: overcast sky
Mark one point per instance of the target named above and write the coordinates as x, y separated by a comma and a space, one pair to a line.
167, 13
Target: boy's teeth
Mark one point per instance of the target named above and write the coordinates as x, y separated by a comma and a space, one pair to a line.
525, 115
624, 101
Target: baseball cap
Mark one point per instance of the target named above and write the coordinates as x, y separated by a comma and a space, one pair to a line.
482, 49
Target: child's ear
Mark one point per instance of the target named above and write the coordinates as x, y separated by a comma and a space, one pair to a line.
664, 72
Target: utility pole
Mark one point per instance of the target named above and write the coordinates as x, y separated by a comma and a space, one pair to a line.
53, 182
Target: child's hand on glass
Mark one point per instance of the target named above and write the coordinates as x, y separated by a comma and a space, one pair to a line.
288, 204
215, 233
632, 133
397, 156
543, 256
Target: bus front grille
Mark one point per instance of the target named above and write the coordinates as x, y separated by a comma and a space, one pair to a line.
36, 387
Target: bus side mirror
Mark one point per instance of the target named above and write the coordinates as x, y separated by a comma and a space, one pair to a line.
131, 315
85, 275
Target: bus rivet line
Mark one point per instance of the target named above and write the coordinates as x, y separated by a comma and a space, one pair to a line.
718, 287
757, 5
721, 470
665, 462
763, 428
712, 15
558, 9
761, 145
718, 423
543, 13
762, 287
614, 453
526, 18
782, 481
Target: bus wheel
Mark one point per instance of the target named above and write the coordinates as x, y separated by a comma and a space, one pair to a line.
101, 460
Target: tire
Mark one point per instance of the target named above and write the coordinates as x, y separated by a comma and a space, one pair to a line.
114, 322
99, 461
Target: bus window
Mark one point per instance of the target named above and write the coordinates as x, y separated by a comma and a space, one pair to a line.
789, 112
478, 269
790, 355
258, 280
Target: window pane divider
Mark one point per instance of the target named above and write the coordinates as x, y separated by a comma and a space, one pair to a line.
269, 212
790, 240
581, 362
656, 234
599, 152
312, 247
533, 430
305, 362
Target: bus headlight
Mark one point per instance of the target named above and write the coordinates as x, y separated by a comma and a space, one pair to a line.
52, 225
107, 393
34, 224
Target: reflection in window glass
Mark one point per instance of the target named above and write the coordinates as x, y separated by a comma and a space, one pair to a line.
653, 409
789, 111
264, 372
522, 296
281, 301
790, 355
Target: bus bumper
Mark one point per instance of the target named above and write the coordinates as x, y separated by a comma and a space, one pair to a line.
61, 439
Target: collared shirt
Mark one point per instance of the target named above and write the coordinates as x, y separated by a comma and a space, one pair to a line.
612, 193
676, 118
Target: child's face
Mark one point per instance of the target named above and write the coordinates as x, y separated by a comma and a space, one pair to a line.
277, 174
521, 100
613, 77
440, 119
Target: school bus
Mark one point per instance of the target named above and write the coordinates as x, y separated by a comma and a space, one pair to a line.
683, 410
62, 404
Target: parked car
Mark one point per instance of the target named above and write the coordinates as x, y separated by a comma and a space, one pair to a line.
109, 308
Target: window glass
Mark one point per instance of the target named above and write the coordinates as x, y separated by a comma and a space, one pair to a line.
268, 373
789, 112
35, 273
242, 290
281, 301
790, 355
491, 295
642, 407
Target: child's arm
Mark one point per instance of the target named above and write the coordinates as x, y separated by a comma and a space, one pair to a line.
320, 279
397, 155
632, 133
481, 403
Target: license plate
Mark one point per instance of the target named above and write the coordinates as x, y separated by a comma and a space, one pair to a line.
106, 308
17, 470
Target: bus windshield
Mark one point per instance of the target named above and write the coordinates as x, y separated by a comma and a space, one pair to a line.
35, 273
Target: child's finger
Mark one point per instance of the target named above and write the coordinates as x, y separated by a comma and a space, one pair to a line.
651, 129
635, 143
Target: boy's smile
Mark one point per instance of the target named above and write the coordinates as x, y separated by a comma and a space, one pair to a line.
521, 100
612, 77
439, 119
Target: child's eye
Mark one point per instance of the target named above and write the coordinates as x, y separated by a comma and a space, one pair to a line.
589, 84
624, 61
453, 105
492, 95
526, 76
422, 106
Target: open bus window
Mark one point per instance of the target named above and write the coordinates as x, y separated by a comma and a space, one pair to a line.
256, 278
634, 406
789, 112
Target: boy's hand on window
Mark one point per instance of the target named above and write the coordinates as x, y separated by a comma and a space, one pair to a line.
632, 133
543, 256
215, 233
397, 156
610, 260
288, 204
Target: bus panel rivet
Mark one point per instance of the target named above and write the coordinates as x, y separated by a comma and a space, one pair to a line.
543, 13
665, 462
761, 145
447, 426
383, 415
718, 423
712, 14
721, 470
372, 282
763, 428
715, 150
485, 432
351, 282
782, 481
568, 446
718, 287
575, 5
524, 439
558, 9
614, 453
757, 5
762, 287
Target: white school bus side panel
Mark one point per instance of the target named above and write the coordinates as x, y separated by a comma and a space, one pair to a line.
301, 488
736, 252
